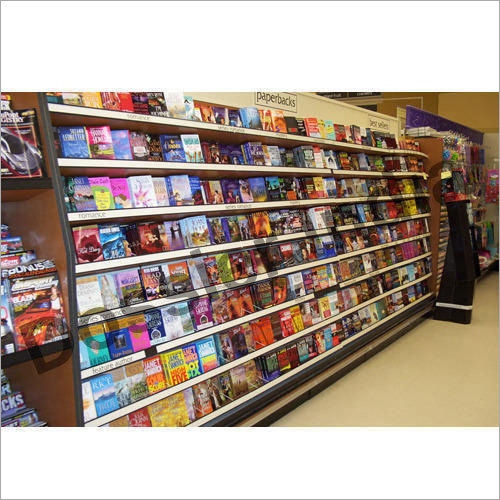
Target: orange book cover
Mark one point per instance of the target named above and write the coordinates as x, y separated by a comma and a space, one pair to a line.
278, 121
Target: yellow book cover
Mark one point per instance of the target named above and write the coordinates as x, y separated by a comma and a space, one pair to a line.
298, 324
159, 414
322, 128
175, 365
324, 307
92, 99
319, 187
177, 411
120, 422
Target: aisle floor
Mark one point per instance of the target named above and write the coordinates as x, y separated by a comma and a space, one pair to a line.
438, 374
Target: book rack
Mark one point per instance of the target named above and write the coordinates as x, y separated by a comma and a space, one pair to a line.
63, 115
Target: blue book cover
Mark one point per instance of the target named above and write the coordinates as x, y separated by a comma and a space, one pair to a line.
74, 142
154, 324
207, 354
327, 332
111, 241
103, 391
250, 118
121, 144
119, 343
320, 250
273, 188
234, 118
258, 188
328, 245
381, 235
361, 212
84, 355
179, 190
172, 148
236, 156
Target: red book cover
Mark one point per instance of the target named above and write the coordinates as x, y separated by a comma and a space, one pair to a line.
126, 103
262, 332
139, 418
149, 235
246, 300
87, 244
286, 323
110, 100
234, 307
312, 128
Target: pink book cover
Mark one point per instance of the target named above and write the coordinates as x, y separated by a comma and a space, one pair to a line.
121, 192
100, 142
139, 334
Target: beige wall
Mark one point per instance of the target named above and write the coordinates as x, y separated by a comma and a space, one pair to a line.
393, 100
477, 110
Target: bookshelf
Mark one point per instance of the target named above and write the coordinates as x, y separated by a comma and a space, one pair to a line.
54, 115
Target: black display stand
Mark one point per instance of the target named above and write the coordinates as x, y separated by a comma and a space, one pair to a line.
454, 301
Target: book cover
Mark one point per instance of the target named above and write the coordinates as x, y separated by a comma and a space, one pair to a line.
265, 119
207, 353
155, 327
258, 189
278, 121
201, 400
174, 362
73, 142
110, 236
160, 189
219, 307
291, 125
142, 191
179, 277
192, 148
87, 244
179, 190
156, 104
174, 235
89, 410
221, 115
224, 267
138, 332
262, 332
272, 370
239, 381
155, 378
231, 190
139, 418
94, 340
238, 342
139, 145
121, 144
273, 188
104, 394
88, 295
250, 118
312, 128
286, 322
175, 104
129, 286
207, 113
100, 142
172, 147
118, 338
82, 195
201, 312
120, 192
140, 102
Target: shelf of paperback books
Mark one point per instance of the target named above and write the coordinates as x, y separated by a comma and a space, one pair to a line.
198, 252
69, 116
83, 284
306, 364
211, 374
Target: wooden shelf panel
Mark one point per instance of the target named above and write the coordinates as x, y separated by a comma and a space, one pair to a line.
24, 189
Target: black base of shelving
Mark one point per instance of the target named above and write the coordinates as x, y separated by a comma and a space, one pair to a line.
36, 352
12, 184
239, 414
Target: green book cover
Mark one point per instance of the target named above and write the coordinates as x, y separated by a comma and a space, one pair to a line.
224, 267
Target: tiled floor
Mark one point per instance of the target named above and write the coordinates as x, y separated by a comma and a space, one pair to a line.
438, 374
